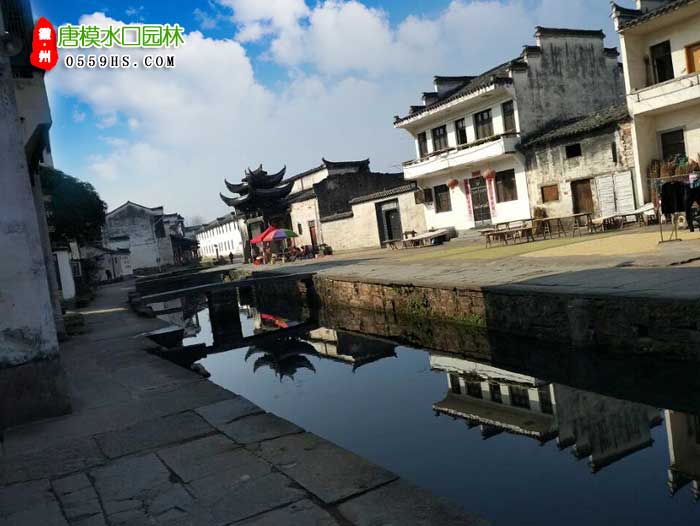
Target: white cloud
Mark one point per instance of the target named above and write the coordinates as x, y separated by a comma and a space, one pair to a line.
210, 117
78, 115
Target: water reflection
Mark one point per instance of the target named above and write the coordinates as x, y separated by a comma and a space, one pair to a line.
602, 429
340, 383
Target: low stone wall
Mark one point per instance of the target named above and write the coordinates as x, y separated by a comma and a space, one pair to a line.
614, 323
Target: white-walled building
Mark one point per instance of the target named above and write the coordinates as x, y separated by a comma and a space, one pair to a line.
152, 238
660, 45
221, 237
467, 129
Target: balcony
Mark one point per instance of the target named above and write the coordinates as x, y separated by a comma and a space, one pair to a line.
673, 93
457, 157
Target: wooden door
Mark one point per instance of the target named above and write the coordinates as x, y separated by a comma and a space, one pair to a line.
694, 58
393, 224
582, 196
312, 233
480, 200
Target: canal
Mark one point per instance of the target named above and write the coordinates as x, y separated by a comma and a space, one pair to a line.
512, 444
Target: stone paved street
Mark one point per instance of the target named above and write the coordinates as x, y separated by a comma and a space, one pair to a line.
150, 443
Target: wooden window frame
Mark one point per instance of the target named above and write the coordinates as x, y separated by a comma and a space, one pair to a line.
654, 69
463, 130
542, 192
510, 116
503, 194
439, 137
422, 139
668, 132
689, 62
438, 202
479, 124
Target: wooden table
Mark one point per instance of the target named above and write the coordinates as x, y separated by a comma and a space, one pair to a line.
513, 234
421, 240
558, 222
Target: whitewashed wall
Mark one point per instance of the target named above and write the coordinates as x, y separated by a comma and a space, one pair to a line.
227, 236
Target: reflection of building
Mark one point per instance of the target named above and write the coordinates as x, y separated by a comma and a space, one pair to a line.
350, 348
497, 400
684, 451
601, 428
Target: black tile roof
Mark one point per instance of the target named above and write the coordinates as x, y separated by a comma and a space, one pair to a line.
303, 195
563, 31
384, 193
579, 125
337, 217
497, 75
633, 17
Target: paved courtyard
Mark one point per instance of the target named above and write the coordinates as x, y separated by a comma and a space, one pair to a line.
150, 443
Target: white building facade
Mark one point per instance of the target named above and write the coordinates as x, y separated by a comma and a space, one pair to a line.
221, 237
660, 45
467, 130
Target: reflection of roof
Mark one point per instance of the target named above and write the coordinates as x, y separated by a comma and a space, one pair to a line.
577, 126
602, 460
633, 17
511, 419
384, 193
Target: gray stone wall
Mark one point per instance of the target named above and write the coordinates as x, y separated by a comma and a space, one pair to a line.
571, 76
547, 165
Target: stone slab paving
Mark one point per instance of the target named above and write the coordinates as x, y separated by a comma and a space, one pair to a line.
229, 410
401, 503
257, 428
151, 444
153, 433
326, 470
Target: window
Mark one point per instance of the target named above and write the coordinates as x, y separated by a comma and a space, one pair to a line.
550, 193
545, 399
495, 390
299, 229
672, 144
506, 189
474, 390
613, 150
422, 144
508, 109
693, 54
573, 150
461, 131
661, 61
443, 203
454, 384
483, 124
439, 138
519, 396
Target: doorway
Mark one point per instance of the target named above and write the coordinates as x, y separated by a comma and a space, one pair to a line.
480, 200
312, 234
582, 196
389, 221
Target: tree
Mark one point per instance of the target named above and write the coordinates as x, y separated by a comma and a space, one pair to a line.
77, 212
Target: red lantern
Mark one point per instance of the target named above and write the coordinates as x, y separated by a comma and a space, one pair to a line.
488, 174
452, 184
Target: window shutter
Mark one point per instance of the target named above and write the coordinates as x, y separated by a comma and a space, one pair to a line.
428, 195
419, 196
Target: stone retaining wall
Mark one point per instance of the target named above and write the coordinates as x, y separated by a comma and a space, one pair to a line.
615, 323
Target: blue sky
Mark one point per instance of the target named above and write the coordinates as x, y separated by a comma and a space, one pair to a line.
273, 81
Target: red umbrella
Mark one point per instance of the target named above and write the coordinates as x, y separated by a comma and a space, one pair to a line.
259, 238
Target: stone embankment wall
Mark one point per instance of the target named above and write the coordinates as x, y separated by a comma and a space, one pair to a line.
613, 323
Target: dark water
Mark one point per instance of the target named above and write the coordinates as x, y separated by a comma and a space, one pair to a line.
506, 444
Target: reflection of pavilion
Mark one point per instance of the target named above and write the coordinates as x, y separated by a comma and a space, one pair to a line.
598, 427
684, 450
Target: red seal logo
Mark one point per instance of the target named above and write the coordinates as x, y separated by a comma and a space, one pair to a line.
44, 50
